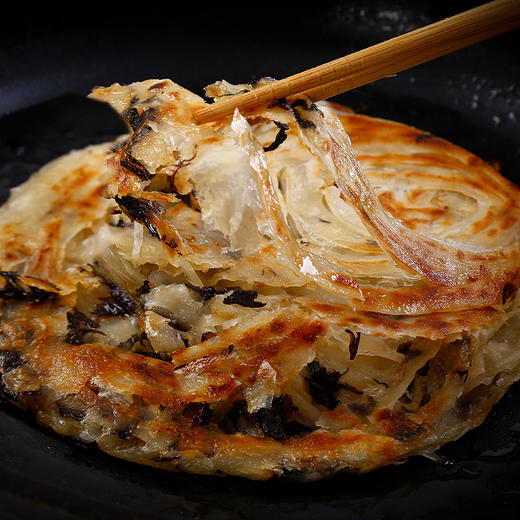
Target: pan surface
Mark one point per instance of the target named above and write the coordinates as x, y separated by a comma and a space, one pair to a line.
51, 60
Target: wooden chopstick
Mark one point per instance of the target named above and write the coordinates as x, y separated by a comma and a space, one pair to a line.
378, 61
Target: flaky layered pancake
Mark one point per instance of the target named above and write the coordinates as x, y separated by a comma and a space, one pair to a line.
294, 291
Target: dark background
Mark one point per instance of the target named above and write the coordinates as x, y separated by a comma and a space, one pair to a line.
49, 61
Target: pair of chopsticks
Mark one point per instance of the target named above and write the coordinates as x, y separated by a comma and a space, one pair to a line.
378, 61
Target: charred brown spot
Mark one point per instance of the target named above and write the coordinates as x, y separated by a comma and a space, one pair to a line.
281, 136
199, 413
119, 303
275, 420
140, 344
302, 121
7, 392
141, 210
206, 292
423, 137
70, 413
208, 335
408, 430
280, 102
323, 384
131, 341
294, 108
508, 292
170, 242
133, 165
190, 199
296, 474
118, 223
135, 117
463, 374
11, 359
244, 298
423, 371
144, 288
126, 432
230, 422
363, 407
398, 425
278, 326
158, 86
18, 288
79, 325
406, 349
425, 399
354, 343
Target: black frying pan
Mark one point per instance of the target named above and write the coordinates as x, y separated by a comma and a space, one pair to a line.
51, 60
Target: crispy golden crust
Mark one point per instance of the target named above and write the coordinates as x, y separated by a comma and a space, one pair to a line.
148, 311
153, 412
